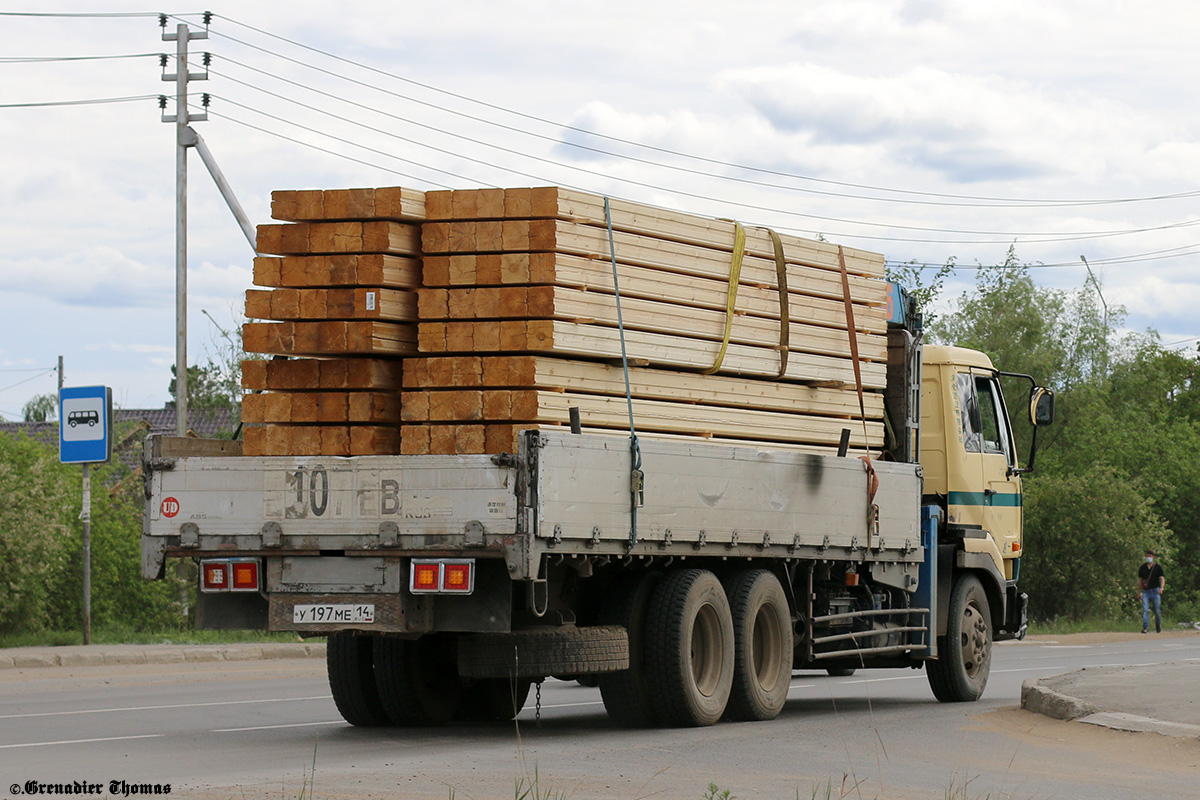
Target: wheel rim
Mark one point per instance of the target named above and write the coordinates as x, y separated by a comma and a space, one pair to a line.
766, 643
974, 641
708, 643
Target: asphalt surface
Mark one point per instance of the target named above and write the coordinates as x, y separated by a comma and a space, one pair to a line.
1160, 698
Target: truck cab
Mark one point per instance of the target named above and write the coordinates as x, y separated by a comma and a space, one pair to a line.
972, 478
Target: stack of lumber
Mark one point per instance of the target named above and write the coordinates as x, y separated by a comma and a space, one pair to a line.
518, 323
340, 313
447, 322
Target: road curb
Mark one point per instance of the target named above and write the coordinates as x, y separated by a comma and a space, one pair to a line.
1047, 702
102, 656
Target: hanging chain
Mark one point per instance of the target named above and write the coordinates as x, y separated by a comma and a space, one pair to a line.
537, 717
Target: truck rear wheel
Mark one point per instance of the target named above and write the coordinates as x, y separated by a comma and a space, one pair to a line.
960, 672
626, 694
417, 680
494, 699
689, 649
349, 660
762, 646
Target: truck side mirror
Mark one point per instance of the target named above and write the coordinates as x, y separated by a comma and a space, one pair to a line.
1041, 406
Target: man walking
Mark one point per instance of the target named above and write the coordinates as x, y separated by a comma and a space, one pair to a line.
1151, 582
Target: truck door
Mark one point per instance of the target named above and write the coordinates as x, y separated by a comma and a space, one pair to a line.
1002, 486
994, 502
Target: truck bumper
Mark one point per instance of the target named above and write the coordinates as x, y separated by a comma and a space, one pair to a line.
1016, 616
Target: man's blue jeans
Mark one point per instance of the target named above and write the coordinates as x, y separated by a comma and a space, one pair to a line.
1151, 596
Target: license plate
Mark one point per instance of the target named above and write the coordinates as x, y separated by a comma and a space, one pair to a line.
356, 613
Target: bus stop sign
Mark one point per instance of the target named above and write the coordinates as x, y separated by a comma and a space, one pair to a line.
85, 424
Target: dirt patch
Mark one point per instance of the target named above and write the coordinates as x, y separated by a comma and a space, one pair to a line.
1086, 754
1106, 638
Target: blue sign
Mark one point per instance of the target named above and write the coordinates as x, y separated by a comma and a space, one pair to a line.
85, 424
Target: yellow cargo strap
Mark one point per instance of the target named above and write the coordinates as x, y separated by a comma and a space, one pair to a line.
735, 275
872, 478
785, 305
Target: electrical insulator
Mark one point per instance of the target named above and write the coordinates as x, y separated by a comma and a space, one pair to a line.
207, 59
204, 99
162, 60
208, 15
162, 20
162, 102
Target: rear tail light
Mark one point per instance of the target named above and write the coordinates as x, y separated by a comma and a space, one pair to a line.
442, 576
230, 575
426, 577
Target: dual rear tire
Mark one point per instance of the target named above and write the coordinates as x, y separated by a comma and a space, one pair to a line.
412, 683
701, 650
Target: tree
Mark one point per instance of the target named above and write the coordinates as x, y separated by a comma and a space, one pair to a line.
41, 408
924, 289
1085, 534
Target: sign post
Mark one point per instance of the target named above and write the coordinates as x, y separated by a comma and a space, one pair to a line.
85, 436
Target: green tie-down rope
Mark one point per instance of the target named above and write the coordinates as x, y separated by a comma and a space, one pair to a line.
635, 450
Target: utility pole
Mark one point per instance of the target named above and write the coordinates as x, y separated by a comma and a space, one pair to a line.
185, 137
181, 118
1099, 293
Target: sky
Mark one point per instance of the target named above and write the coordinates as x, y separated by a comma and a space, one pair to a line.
920, 129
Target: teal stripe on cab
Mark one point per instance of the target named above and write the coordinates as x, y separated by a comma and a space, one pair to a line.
981, 499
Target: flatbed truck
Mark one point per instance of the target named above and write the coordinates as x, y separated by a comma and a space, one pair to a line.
689, 587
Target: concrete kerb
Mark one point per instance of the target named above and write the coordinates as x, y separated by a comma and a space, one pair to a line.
98, 656
1047, 702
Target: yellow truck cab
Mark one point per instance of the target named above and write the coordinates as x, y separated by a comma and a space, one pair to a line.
971, 473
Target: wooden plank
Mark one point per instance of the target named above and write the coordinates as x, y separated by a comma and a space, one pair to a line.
321, 440
377, 408
466, 373
313, 205
327, 238
532, 405
640, 263
553, 302
392, 272
638, 218
329, 338
338, 304
503, 438
582, 340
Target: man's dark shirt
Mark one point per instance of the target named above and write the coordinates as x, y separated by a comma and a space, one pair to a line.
1151, 574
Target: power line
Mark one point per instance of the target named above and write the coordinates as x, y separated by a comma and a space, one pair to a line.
42, 374
666, 151
327, 151
1033, 236
50, 59
85, 15
92, 102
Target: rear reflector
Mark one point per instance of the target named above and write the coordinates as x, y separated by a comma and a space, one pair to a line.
230, 575
442, 576
214, 576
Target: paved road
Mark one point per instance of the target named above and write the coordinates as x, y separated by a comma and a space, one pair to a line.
256, 729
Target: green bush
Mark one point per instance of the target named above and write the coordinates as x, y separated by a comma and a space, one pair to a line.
1084, 539
41, 540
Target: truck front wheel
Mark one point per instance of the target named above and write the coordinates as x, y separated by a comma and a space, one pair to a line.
689, 649
762, 646
960, 672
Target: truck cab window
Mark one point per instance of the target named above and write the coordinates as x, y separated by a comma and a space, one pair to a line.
995, 435
969, 419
